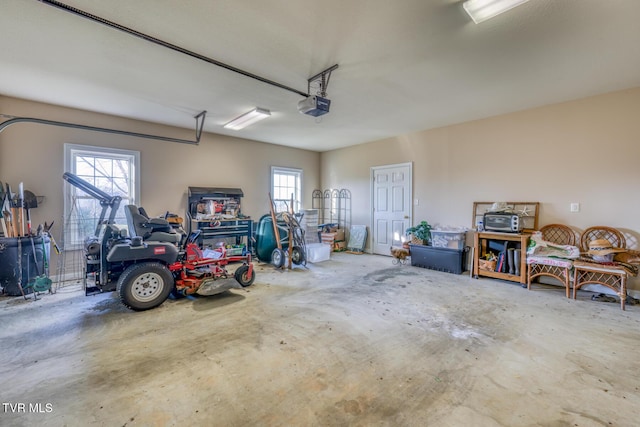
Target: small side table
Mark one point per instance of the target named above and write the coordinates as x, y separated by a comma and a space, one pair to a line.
480, 248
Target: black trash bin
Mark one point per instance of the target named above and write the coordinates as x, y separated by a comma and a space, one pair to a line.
32, 267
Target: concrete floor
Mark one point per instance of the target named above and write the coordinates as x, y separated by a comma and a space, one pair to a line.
353, 341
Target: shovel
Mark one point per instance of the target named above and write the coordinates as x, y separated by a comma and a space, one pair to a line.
7, 215
15, 226
20, 206
46, 229
5, 232
3, 223
30, 201
20, 268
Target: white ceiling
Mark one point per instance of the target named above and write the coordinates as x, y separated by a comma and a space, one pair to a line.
404, 65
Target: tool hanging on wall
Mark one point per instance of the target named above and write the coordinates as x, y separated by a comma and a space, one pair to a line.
15, 211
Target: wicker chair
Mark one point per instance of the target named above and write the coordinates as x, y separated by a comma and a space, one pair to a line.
611, 276
553, 267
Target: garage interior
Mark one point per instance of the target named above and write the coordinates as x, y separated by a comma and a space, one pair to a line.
538, 103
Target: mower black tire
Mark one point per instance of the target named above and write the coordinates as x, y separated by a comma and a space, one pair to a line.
243, 277
145, 286
297, 255
277, 257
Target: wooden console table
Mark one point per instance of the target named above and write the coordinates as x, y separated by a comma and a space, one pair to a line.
480, 248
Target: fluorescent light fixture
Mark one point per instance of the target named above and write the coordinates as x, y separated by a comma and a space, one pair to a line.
247, 119
481, 10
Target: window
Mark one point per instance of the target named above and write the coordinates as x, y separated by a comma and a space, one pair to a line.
285, 183
114, 171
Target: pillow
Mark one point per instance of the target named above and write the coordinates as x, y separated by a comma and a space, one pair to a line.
630, 257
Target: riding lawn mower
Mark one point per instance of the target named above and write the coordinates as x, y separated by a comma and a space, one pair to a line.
151, 260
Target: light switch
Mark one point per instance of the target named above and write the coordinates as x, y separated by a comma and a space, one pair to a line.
416, 202
575, 207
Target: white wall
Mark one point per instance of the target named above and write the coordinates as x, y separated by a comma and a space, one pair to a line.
584, 151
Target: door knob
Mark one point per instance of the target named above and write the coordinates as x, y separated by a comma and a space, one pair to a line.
406, 217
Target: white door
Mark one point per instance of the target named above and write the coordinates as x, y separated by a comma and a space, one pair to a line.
391, 195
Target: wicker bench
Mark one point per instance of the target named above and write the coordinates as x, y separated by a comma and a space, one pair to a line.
557, 268
612, 276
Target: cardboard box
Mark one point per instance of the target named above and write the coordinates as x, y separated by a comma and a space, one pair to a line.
339, 246
328, 238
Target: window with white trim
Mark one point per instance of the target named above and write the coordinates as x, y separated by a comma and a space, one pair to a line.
285, 184
114, 171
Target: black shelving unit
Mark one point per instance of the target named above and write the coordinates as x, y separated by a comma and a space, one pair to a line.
203, 215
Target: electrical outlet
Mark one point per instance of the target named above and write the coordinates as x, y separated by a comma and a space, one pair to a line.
575, 207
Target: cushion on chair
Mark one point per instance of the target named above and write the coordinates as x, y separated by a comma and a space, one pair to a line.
630, 257
550, 253
557, 262
540, 247
612, 268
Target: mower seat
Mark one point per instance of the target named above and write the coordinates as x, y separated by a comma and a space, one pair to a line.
152, 229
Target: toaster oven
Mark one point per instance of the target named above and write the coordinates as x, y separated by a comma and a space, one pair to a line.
506, 222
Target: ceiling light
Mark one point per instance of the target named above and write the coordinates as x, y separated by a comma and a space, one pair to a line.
247, 119
481, 10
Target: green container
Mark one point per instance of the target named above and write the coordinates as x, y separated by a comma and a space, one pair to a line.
266, 238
